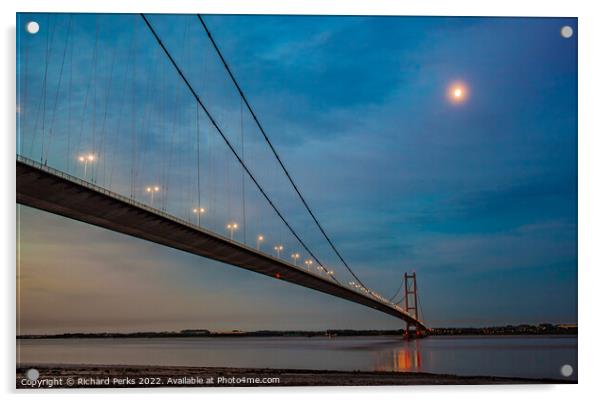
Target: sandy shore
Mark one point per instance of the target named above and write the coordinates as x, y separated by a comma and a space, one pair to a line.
72, 376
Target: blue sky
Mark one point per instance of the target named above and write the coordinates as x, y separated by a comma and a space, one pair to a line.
479, 198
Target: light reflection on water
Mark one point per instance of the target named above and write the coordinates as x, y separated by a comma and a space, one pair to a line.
402, 359
510, 356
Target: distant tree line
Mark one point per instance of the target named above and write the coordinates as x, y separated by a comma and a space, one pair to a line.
524, 329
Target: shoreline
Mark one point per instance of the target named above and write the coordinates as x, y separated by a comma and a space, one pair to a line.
137, 336
128, 376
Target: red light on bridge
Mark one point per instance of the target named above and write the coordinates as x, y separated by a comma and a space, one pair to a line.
277, 275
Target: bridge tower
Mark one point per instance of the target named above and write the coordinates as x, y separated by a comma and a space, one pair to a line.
411, 300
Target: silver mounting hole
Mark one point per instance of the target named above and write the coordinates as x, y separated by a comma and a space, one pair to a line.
566, 31
566, 370
32, 374
32, 27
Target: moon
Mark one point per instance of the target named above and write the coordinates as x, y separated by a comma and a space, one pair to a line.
457, 92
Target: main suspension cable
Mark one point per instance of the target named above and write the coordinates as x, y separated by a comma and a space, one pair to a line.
290, 179
397, 291
221, 133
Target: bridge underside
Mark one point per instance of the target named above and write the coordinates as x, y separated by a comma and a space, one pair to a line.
50, 190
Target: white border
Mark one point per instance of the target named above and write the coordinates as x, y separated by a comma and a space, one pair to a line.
590, 194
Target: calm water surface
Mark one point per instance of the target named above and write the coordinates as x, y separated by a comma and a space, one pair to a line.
511, 356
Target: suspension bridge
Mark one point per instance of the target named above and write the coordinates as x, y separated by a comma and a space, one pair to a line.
146, 131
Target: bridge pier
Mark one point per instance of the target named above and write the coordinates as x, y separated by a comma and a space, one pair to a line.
414, 334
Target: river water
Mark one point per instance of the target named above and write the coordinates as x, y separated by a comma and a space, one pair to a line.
509, 356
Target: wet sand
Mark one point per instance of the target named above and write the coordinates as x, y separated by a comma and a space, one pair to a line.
79, 376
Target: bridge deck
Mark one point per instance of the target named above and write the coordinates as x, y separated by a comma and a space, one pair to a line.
50, 190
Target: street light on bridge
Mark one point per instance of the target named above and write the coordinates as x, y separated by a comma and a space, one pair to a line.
295, 257
232, 227
278, 249
260, 239
324, 270
85, 159
198, 212
308, 264
152, 190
